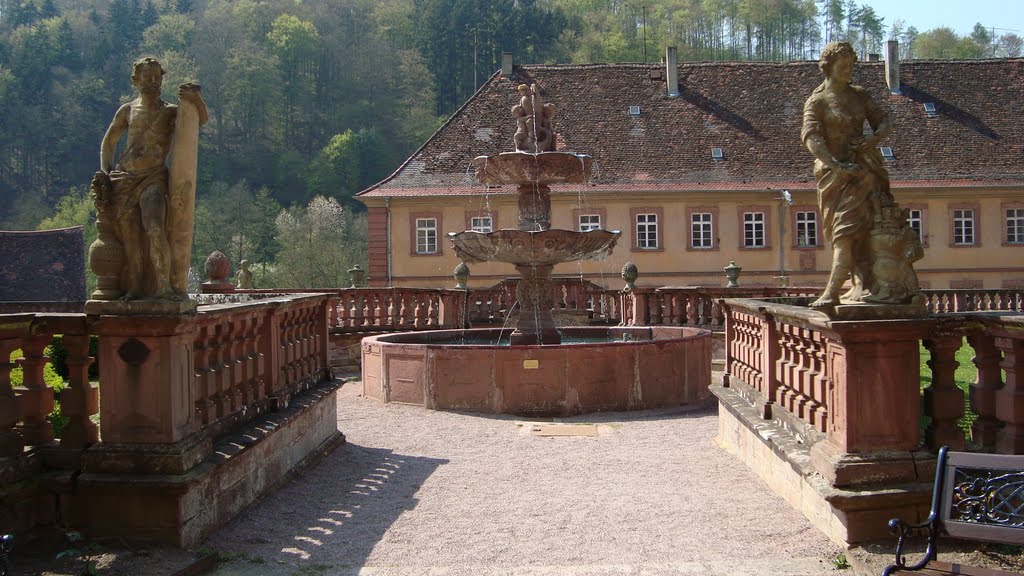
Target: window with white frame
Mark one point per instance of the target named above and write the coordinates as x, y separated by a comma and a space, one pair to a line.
1015, 226
753, 230
701, 230
914, 219
426, 235
481, 224
963, 227
590, 222
647, 231
806, 229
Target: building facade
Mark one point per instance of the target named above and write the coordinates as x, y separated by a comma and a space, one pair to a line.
701, 164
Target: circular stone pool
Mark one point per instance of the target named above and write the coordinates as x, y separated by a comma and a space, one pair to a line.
631, 369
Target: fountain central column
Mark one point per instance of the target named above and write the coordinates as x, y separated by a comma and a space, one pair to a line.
534, 207
536, 325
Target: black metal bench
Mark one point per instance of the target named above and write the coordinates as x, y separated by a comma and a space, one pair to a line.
976, 497
5, 549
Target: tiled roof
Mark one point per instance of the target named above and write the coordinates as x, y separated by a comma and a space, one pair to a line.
752, 110
42, 265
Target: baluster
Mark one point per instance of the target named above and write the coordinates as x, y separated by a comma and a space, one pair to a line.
819, 383
202, 374
80, 399
378, 309
34, 396
359, 311
222, 369
420, 312
692, 309
11, 443
716, 313
345, 309
434, 312
943, 401
1010, 398
392, 310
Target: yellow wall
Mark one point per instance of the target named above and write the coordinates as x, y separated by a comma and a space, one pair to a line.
992, 262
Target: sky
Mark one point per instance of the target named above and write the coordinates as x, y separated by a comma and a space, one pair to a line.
960, 15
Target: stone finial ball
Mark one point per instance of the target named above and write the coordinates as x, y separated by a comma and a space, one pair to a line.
217, 267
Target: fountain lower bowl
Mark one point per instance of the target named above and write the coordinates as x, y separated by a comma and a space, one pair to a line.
659, 367
526, 248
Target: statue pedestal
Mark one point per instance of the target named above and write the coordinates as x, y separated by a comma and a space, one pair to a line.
147, 395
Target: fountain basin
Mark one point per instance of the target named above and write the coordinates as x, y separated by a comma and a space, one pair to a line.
529, 168
533, 248
660, 367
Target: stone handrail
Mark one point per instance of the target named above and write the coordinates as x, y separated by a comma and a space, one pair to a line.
42, 306
795, 367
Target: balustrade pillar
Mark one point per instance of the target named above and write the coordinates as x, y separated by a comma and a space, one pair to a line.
147, 373
1010, 398
943, 401
983, 390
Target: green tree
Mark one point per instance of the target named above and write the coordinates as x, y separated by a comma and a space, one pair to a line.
319, 243
236, 220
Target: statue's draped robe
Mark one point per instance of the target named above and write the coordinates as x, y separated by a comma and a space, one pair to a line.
127, 188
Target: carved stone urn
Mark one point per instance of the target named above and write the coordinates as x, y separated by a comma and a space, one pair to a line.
629, 275
106, 258
356, 275
732, 274
461, 276
106, 254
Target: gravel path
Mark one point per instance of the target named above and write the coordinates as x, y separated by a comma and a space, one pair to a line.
419, 492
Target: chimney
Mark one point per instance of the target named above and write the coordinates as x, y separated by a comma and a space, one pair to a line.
506, 64
671, 71
892, 66
874, 57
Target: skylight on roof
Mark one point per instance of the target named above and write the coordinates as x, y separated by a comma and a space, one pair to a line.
930, 109
886, 152
717, 154
634, 110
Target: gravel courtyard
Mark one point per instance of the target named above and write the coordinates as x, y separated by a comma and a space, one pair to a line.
419, 492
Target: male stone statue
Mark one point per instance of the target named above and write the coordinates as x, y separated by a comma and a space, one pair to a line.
134, 190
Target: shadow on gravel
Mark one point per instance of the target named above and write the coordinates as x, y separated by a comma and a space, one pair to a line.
334, 513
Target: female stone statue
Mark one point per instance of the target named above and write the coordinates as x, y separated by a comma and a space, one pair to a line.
853, 184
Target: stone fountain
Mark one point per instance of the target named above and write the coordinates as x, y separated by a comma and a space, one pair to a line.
598, 367
534, 247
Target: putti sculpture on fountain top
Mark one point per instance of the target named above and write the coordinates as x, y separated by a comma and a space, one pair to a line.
534, 248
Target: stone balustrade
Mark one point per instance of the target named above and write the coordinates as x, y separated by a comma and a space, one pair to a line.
248, 359
788, 363
691, 305
24, 409
973, 300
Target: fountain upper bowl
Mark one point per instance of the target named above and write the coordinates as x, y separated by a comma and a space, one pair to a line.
539, 248
527, 168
